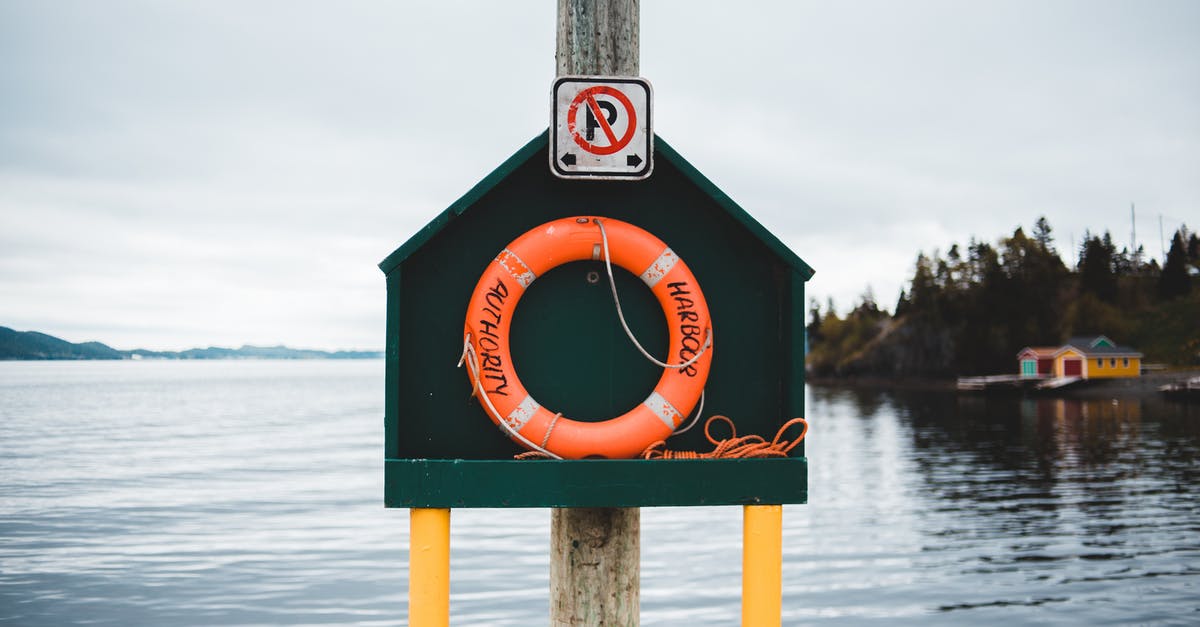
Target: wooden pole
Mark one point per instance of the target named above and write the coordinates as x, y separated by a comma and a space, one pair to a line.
595, 562
429, 567
598, 37
762, 565
595, 553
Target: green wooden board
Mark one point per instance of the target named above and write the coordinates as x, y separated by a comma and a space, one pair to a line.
594, 483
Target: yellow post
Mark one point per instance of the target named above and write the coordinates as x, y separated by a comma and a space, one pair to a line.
762, 565
429, 567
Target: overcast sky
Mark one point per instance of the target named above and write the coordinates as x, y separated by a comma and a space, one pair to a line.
179, 174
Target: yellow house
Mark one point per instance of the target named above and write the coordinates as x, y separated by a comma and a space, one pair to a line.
1070, 362
1085, 357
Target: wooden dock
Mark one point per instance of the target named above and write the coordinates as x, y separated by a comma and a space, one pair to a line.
1182, 390
1014, 382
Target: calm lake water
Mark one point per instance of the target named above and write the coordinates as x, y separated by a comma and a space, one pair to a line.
250, 493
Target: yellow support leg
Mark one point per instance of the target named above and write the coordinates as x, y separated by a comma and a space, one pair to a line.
762, 565
429, 568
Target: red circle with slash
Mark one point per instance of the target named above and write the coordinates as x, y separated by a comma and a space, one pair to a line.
587, 97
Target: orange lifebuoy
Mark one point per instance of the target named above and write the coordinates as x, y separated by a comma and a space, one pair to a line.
489, 320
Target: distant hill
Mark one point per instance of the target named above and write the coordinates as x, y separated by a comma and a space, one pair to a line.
34, 345
31, 345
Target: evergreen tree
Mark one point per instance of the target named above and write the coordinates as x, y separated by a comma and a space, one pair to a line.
983, 263
902, 303
1119, 259
955, 269
1041, 235
814, 321
923, 291
1096, 271
1015, 253
1174, 280
1026, 302
1139, 256
1123, 263
868, 303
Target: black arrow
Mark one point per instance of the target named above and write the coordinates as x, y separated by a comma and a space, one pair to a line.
568, 159
633, 160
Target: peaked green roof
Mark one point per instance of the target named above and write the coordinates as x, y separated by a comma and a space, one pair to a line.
662, 150
1092, 346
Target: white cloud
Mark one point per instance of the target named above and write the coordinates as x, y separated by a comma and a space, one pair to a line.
183, 174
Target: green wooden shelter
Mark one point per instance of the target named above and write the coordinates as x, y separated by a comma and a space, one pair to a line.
441, 450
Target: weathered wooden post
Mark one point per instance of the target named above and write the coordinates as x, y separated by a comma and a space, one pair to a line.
545, 342
595, 565
595, 553
597, 38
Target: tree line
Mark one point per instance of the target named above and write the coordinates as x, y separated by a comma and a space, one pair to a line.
971, 310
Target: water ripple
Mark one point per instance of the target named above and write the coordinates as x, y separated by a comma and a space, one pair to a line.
250, 493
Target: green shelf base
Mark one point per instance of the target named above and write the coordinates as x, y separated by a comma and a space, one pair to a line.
456, 483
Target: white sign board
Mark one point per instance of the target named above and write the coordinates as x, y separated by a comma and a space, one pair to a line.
600, 128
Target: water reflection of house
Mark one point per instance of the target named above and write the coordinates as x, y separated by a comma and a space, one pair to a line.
1081, 431
1085, 357
1069, 409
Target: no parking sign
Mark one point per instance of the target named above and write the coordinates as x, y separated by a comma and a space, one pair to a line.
600, 128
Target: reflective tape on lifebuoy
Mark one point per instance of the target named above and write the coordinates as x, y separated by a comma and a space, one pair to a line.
489, 320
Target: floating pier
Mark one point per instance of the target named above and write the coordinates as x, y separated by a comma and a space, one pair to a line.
1014, 382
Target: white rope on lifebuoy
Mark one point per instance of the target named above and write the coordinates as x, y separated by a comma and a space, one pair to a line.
624, 325
621, 315
477, 391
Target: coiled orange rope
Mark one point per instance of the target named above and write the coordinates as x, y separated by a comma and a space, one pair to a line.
733, 447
